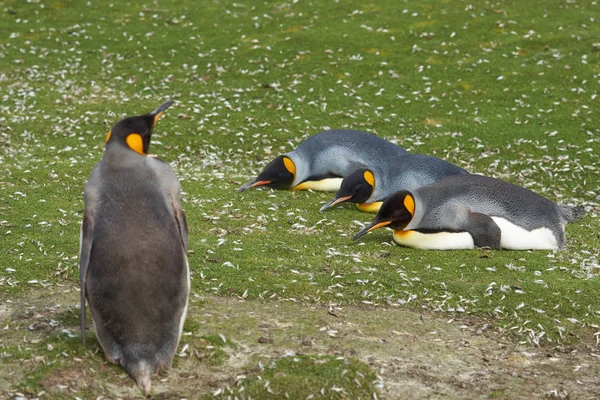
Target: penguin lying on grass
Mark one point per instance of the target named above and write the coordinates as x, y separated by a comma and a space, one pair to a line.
133, 264
467, 211
369, 187
322, 160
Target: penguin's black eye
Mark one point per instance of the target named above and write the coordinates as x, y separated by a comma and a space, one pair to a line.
397, 203
281, 180
278, 173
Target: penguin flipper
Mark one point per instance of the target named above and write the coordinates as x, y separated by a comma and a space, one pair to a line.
87, 239
181, 221
84, 261
483, 229
172, 189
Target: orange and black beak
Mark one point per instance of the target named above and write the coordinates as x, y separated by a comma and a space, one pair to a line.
253, 183
376, 224
159, 111
334, 201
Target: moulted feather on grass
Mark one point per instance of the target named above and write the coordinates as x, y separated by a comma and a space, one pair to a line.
505, 89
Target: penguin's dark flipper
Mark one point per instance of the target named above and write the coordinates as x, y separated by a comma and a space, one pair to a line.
87, 239
172, 189
483, 229
181, 223
84, 260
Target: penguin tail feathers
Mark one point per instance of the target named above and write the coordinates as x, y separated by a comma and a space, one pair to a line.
572, 213
141, 371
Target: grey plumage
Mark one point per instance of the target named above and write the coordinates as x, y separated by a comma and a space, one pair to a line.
339, 152
467, 211
133, 264
571, 213
328, 154
410, 172
444, 205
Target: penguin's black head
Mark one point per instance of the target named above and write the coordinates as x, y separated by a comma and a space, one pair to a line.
135, 132
395, 212
278, 174
355, 188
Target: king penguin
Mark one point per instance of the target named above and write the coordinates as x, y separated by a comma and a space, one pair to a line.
467, 211
322, 160
133, 264
369, 187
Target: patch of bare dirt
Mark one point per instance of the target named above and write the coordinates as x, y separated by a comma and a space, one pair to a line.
416, 355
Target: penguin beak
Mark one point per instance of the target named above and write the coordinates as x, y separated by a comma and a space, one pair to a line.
159, 111
252, 184
333, 202
371, 227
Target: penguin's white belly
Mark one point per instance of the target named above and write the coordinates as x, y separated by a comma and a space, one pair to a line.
324, 185
516, 238
513, 237
434, 241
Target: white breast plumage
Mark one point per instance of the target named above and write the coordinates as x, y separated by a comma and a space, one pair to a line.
324, 185
513, 238
516, 238
434, 241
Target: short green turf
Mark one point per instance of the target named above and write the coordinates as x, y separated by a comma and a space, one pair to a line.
505, 88
298, 377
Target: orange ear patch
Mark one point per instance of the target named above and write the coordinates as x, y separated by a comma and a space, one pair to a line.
289, 165
409, 203
135, 143
370, 178
108, 135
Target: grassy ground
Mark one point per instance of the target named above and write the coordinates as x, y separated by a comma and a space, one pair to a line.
502, 88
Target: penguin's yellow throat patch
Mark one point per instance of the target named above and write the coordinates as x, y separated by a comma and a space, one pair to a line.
409, 203
135, 143
370, 208
108, 135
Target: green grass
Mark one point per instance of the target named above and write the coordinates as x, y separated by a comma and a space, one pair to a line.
296, 377
506, 89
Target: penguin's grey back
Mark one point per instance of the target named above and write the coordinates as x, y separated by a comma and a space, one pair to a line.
489, 196
137, 257
410, 172
339, 152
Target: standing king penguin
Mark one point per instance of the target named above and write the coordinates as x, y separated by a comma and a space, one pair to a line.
322, 160
467, 211
133, 264
369, 187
